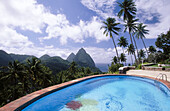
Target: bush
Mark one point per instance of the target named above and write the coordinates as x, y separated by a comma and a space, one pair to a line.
139, 66
114, 67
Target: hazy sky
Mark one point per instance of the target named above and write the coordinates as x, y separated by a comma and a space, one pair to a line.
59, 27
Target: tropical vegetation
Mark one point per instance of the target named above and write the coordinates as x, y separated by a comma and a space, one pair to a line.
18, 79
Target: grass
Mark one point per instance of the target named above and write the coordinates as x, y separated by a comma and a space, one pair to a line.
166, 66
156, 65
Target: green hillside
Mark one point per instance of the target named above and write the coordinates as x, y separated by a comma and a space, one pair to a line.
4, 58
56, 64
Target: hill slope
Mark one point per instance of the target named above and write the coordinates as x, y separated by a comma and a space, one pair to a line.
5, 58
56, 64
71, 57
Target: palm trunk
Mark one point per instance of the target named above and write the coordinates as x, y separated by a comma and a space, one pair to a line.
136, 47
145, 46
131, 59
115, 49
133, 45
123, 51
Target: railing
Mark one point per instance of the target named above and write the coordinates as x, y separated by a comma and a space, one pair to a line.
161, 76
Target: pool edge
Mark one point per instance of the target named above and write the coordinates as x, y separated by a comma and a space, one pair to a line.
24, 101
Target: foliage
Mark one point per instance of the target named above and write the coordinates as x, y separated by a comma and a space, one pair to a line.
122, 57
115, 59
163, 42
139, 66
130, 49
18, 79
128, 9
122, 42
152, 49
142, 53
114, 67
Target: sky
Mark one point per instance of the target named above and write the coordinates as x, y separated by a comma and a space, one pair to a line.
60, 27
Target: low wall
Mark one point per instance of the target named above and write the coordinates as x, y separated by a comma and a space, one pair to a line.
122, 70
153, 68
167, 69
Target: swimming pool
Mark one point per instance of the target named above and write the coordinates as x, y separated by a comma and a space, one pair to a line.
107, 93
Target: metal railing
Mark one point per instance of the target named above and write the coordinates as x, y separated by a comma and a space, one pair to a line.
161, 76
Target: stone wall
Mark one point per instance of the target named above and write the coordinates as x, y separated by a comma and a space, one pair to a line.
153, 68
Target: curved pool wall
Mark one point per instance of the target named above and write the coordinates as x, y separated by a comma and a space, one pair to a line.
57, 99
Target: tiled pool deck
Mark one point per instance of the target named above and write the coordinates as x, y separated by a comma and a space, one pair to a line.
17, 103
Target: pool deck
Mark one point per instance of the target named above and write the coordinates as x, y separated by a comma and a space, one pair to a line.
17, 103
149, 73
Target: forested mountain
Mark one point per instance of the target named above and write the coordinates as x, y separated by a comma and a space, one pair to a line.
56, 64
4, 58
21, 58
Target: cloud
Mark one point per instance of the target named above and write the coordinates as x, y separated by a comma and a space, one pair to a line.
10, 38
102, 55
104, 8
64, 30
25, 14
149, 9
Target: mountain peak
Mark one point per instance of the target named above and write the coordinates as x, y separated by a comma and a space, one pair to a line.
82, 50
70, 58
83, 59
44, 57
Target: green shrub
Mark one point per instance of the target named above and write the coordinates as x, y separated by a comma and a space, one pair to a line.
114, 67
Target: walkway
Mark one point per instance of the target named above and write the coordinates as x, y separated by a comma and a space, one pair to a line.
148, 73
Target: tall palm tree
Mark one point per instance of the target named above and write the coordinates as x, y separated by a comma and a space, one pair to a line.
131, 26
128, 9
122, 57
140, 33
122, 42
110, 27
130, 51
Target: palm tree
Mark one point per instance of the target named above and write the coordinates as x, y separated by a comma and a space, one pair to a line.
152, 49
128, 9
122, 43
111, 27
140, 33
122, 57
131, 26
130, 51
13, 80
141, 54
34, 70
115, 59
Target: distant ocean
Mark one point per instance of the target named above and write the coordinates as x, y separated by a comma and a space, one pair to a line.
102, 66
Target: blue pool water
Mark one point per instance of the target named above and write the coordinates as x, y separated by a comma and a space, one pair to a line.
108, 93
